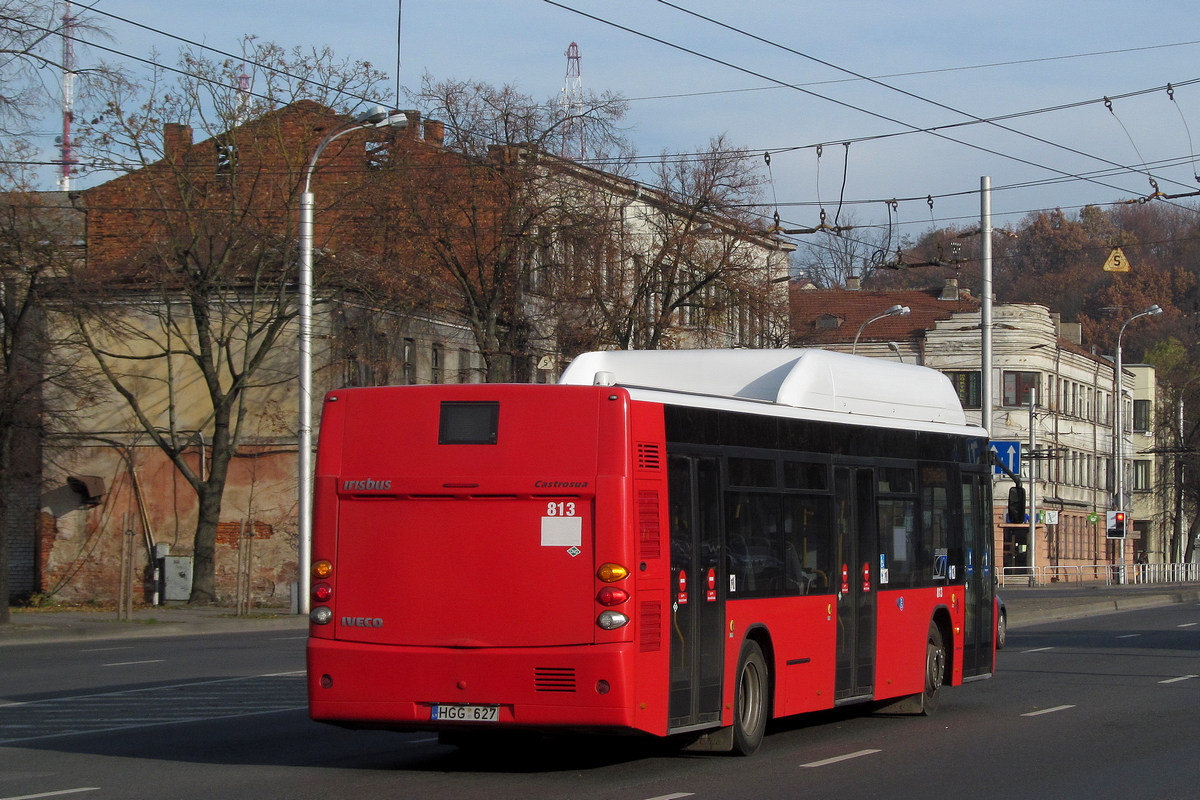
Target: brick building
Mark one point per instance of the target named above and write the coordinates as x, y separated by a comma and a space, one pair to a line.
224, 210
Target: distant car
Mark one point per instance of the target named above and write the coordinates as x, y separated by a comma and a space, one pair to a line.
1001, 623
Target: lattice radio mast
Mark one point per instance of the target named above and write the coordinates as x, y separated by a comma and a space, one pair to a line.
573, 142
68, 97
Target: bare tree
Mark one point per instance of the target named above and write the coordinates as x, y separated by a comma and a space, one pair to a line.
190, 281
683, 264
38, 242
828, 256
498, 193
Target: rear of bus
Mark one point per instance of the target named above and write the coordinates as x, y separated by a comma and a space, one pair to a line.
474, 562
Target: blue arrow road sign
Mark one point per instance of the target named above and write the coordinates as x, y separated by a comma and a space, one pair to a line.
1010, 453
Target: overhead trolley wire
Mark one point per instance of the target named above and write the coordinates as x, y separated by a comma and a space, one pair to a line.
911, 128
974, 118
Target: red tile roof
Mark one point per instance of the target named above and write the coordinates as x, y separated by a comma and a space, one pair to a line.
851, 308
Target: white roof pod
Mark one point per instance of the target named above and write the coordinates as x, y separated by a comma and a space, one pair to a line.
815, 380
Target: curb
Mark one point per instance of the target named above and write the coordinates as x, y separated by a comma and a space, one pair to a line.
53, 627
1031, 611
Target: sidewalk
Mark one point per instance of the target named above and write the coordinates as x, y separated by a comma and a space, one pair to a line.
54, 625
1025, 605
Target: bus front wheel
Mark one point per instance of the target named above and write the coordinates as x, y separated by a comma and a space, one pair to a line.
750, 700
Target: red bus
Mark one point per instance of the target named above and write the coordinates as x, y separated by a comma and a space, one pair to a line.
667, 543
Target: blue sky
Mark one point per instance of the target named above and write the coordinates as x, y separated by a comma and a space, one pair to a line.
987, 60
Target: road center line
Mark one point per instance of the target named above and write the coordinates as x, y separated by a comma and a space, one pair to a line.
1129, 636
133, 663
1046, 711
836, 759
675, 796
1189, 624
1038, 650
1180, 678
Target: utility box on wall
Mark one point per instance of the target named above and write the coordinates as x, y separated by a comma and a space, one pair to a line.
176, 578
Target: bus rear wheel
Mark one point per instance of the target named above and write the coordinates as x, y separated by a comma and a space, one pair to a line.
750, 700
935, 670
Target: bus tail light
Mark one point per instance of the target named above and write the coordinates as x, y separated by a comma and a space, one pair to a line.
610, 573
321, 615
611, 620
322, 569
612, 596
321, 592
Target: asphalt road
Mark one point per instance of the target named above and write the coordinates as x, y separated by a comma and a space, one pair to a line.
1098, 707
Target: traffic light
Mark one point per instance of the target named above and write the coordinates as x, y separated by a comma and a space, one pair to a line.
1016, 506
1116, 524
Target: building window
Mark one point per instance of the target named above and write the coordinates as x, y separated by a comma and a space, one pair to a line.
464, 366
1141, 415
409, 356
1141, 475
968, 385
1017, 386
226, 152
378, 153
435, 364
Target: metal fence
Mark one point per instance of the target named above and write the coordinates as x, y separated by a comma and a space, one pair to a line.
1107, 574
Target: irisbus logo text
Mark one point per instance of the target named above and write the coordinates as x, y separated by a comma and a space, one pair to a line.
366, 485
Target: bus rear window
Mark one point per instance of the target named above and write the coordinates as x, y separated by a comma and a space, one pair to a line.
468, 423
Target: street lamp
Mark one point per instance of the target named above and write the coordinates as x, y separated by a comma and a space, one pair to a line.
1118, 431
895, 311
377, 117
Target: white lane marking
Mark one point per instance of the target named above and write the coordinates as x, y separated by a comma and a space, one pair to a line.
675, 796
1046, 711
1038, 650
103, 650
59, 793
155, 724
134, 663
1189, 624
1180, 678
150, 689
836, 759
1129, 636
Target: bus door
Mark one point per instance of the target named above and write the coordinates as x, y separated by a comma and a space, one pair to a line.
697, 592
980, 576
856, 581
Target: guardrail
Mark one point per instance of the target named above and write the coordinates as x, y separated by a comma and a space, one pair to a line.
1097, 573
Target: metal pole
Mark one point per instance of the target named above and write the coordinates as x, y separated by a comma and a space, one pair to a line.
985, 314
305, 443
1118, 432
1032, 490
1177, 539
375, 118
1118, 428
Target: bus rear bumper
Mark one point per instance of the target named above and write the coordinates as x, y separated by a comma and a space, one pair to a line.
387, 686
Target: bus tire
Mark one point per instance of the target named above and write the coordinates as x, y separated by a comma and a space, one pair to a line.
750, 692
935, 670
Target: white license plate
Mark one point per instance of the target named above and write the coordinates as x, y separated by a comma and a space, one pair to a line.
458, 713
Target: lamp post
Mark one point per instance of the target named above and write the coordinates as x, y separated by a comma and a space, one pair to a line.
895, 311
377, 117
1118, 426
